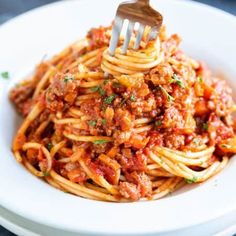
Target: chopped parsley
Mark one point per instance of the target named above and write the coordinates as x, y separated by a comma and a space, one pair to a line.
196, 141
95, 89
116, 85
177, 80
68, 78
133, 98
168, 96
200, 79
104, 121
5, 75
100, 142
224, 145
158, 123
98, 89
190, 181
205, 126
92, 122
105, 81
46, 174
109, 99
49, 146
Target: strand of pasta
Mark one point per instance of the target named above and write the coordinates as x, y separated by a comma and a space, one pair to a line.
133, 61
179, 169
87, 138
81, 190
37, 109
98, 179
202, 161
31, 145
43, 81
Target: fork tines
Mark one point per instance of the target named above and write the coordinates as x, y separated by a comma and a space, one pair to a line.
138, 12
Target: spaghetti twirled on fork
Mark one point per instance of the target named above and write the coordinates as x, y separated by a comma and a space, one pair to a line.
158, 120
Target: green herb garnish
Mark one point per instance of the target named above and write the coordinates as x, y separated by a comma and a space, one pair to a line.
105, 81
200, 79
116, 85
168, 96
225, 146
98, 89
100, 142
177, 80
46, 174
92, 122
101, 91
104, 121
5, 75
95, 89
49, 146
196, 141
109, 100
205, 126
133, 98
68, 78
190, 181
158, 123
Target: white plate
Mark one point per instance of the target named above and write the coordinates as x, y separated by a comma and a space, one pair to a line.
223, 226
208, 34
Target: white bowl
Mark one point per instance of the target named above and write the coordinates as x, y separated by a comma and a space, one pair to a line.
208, 34
223, 226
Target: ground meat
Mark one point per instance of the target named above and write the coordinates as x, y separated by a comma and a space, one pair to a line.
99, 149
71, 166
149, 105
132, 162
172, 118
77, 175
161, 74
97, 38
63, 91
174, 141
145, 107
217, 130
143, 90
156, 138
142, 181
171, 44
21, 97
222, 98
129, 190
121, 137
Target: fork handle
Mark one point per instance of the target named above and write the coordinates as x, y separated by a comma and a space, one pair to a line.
145, 2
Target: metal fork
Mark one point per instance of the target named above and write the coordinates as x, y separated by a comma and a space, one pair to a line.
135, 12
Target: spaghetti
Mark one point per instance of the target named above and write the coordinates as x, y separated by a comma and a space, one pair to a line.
125, 127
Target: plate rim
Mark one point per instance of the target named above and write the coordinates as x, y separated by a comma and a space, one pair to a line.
223, 13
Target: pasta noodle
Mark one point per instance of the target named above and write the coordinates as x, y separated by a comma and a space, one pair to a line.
128, 127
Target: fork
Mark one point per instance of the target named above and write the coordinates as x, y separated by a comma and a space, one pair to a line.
135, 12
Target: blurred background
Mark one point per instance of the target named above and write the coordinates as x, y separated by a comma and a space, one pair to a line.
11, 8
